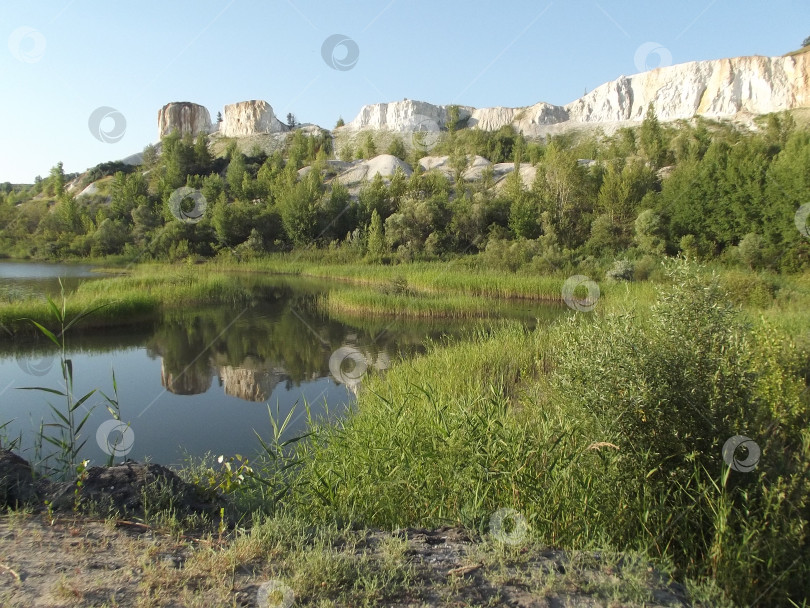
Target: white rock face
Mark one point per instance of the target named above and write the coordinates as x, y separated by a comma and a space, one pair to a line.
404, 116
185, 117
722, 88
528, 173
384, 164
250, 118
474, 170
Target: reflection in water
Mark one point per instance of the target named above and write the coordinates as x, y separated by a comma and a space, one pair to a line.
251, 356
189, 381
254, 348
250, 384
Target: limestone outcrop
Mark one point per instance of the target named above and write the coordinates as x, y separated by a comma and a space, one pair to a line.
185, 117
405, 116
384, 164
723, 88
250, 118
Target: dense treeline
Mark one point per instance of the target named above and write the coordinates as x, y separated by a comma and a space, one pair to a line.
703, 189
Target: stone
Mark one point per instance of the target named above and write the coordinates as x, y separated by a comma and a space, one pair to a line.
185, 117
405, 116
384, 164
722, 88
250, 118
17, 486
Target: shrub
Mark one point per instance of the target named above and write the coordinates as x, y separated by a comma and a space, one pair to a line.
622, 270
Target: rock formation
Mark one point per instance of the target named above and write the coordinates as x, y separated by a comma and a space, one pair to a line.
724, 88
406, 116
250, 118
185, 117
384, 164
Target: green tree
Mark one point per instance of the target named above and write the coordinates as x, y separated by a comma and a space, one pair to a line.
202, 156
369, 148
651, 139
299, 209
397, 148
340, 122
751, 251
235, 174
564, 190
377, 246
452, 118
57, 180
337, 213
649, 232
346, 152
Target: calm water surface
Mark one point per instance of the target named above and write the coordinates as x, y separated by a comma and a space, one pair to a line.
201, 380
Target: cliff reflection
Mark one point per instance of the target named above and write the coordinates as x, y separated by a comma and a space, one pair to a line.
252, 350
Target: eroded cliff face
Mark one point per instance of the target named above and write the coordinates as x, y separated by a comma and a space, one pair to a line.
250, 118
407, 116
723, 88
185, 117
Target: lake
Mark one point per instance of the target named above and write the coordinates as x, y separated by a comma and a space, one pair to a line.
202, 380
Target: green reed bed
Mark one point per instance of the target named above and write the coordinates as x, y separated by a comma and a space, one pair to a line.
361, 301
130, 298
135, 307
431, 277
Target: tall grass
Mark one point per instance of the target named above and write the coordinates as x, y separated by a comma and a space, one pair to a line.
131, 298
604, 431
362, 301
428, 277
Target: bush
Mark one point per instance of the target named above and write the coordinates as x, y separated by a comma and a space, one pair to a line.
647, 267
668, 390
604, 431
622, 270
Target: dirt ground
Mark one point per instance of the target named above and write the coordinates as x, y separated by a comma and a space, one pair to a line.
82, 562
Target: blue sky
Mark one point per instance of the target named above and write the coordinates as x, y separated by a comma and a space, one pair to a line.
137, 56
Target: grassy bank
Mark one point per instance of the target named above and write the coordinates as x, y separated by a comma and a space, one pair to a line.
362, 301
428, 277
606, 431
135, 295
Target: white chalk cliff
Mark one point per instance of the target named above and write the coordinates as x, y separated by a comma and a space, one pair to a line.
723, 88
250, 118
406, 115
185, 117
